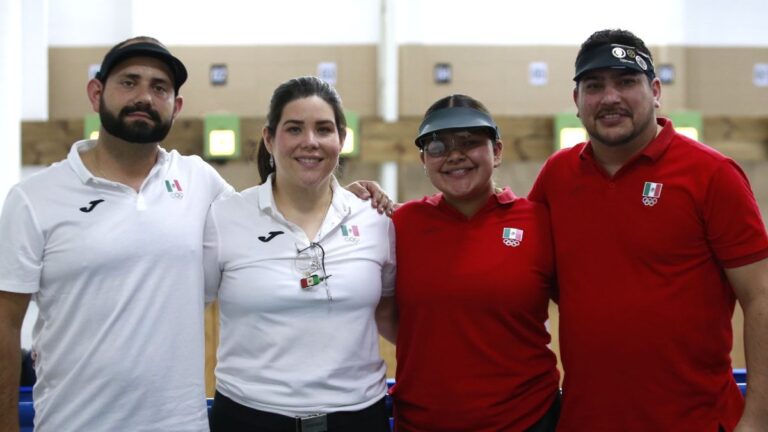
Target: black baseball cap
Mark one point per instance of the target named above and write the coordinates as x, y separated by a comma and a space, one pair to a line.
614, 56
143, 49
456, 118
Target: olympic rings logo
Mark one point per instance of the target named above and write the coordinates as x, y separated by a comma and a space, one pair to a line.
511, 242
650, 201
177, 195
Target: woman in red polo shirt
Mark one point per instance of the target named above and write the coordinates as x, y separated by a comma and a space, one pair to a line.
474, 279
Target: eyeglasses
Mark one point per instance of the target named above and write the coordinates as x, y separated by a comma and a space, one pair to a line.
309, 262
441, 144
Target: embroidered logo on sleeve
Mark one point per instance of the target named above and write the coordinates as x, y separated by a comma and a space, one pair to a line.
174, 189
651, 193
351, 233
512, 237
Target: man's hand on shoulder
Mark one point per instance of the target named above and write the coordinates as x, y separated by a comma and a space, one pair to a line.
368, 189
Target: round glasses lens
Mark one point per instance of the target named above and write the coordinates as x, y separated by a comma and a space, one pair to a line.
435, 148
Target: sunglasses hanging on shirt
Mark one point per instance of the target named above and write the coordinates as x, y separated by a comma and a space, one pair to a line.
310, 262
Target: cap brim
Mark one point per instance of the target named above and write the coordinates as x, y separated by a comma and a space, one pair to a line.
144, 50
613, 56
455, 118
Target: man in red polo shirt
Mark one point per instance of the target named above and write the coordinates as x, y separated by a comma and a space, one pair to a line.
656, 237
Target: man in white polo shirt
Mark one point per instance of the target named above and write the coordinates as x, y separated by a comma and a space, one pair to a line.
109, 243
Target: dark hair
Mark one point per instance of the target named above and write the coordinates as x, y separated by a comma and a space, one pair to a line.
457, 101
287, 92
613, 36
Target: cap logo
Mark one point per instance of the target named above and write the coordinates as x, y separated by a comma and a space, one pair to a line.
613, 56
641, 63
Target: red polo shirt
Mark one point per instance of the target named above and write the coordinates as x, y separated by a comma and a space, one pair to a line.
473, 295
645, 308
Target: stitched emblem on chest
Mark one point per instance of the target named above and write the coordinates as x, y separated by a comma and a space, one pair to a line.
651, 193
174, 189
512, 236
351, 233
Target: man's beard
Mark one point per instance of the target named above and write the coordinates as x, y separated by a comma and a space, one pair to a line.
139, 131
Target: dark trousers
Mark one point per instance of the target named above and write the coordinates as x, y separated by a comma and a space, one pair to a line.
229, 416
548, 422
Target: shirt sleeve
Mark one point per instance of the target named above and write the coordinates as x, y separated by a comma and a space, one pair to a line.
734, 228
211, 266
22, 245
537, 193
388, 270
550, 257
220, 186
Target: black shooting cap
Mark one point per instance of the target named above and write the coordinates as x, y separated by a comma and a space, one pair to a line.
614, 56
143, 49
456, 118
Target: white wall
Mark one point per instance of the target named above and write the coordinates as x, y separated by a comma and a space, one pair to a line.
34, 45
484, 22
258, 22
507, 22
10, 108
10, 91
724, 23
543, 22
91, 22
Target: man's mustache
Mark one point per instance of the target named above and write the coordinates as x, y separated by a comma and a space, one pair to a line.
154, 115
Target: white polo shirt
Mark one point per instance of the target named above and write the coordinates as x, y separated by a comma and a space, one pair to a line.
285, 349
117, 278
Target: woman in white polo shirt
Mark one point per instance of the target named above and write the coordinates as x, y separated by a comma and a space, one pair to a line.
303, 271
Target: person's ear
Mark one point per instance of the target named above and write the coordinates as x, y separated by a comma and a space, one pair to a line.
576, 98
94, 89
498, 146
656, 89
267, 138
177, 104
342, 137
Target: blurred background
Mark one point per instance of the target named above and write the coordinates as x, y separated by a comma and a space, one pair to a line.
389, 60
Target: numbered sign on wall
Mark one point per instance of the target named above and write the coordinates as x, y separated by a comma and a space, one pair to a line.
219, 74
327, 72
760, 75
442, 74
538, 73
